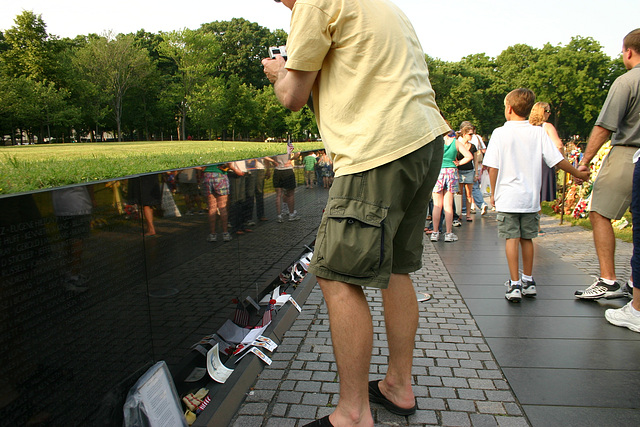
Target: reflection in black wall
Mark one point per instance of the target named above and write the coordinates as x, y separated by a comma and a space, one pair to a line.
90, 298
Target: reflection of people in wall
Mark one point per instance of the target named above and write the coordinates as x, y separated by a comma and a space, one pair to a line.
188, 187
215, 187
145, 191
73, 207
284, 181
238, 191
257, 168
310, 162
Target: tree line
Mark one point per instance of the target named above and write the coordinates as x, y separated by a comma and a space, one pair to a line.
208, 84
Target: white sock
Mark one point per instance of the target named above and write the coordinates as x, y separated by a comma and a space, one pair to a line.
516, 282
608, 281
527, 278
635, 312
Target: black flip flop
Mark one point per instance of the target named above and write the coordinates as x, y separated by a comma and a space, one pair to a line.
376, 396
322, 422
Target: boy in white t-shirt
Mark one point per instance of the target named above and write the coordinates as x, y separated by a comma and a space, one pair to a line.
513, 156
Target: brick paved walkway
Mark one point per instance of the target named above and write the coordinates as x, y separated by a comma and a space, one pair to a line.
456, 377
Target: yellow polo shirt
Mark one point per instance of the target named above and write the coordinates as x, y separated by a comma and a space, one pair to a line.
372, 99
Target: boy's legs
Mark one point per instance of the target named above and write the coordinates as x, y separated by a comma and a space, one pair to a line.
527, 256
518, 229
512, 247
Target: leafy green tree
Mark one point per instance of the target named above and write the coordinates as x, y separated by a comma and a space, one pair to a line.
301, 124
36, 107
571, 78
513, 65
194, 54
242, 108
208, 106
272, 113
26, 48
114, 65
468, 90
244, 44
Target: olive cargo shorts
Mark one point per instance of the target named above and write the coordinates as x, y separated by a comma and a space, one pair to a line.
373, 223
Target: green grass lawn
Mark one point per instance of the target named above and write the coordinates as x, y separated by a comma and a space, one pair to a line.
35, 167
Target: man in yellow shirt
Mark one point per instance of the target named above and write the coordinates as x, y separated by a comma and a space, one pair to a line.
380, 124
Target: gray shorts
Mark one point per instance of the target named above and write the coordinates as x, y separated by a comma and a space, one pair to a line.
373, 223
611, 195
518, 225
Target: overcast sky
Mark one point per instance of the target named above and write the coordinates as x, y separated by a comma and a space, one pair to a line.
448, 30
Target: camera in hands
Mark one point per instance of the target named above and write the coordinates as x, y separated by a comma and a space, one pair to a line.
278, 50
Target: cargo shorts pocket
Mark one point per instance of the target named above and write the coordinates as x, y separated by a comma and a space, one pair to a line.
353, 243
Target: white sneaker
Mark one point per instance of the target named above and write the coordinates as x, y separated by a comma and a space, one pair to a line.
226, 237
295, 216
435, 236
623, 317
212, 238
280, 218
599, 289
450, 237
514, 292
483, 211
529, 288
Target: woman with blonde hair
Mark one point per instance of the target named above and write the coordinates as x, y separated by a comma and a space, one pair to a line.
538, 117
467, 173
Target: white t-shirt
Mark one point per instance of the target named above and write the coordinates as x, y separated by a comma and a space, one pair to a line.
72, 201
478, 142
517, 150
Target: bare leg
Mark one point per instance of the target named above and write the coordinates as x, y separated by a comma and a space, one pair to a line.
213, 211
401, 322
512, 251
605, 243
222, 209
148, 219
437, 210
466, 192
352, 337
448, 211
278, 201
289, 198
635, 302
527, 256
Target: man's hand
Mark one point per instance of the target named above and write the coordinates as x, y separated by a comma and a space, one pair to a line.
584, 176
274, 68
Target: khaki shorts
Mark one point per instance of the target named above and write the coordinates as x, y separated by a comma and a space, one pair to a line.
373, 223
518, 225
611, 195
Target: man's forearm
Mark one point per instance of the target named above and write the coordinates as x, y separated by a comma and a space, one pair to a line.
293, 93
598, 137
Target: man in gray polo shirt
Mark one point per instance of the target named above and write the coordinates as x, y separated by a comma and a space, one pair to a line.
611, 196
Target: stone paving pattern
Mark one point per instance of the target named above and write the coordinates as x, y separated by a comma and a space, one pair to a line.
457, 381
